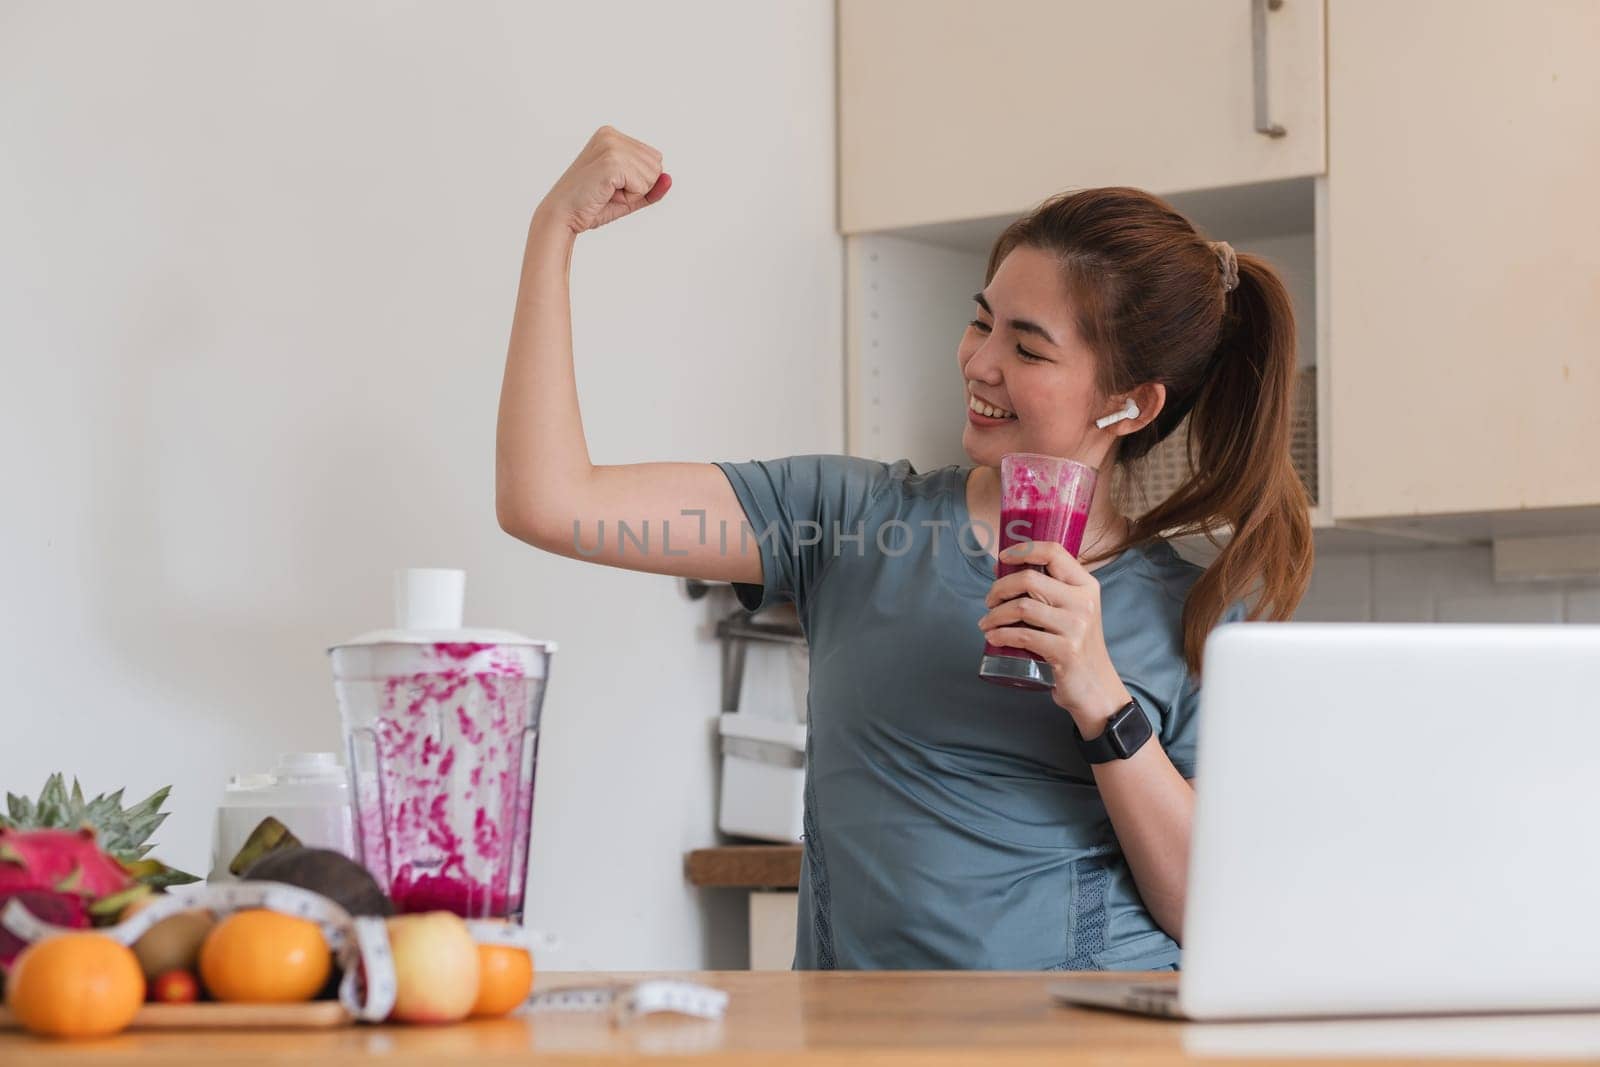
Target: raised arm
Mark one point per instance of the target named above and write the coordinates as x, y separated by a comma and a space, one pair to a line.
547, 492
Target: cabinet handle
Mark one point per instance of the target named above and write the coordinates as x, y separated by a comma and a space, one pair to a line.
1258, 53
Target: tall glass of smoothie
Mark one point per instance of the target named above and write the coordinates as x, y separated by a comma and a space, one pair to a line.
442, 725
1042, 498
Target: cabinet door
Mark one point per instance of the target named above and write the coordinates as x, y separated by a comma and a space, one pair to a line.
1463, 256
957, 109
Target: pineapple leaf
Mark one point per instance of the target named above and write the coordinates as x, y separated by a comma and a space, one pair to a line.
20, 809
158, 875
145, 825
144, 831
119, 833
125, 838
104, 807
150, 804
53, 803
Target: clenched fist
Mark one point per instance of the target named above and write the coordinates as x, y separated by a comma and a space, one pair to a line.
613, 176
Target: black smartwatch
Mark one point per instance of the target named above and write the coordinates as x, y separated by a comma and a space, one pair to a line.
1125, 733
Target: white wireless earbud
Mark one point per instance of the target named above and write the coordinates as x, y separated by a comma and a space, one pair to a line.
1130, 410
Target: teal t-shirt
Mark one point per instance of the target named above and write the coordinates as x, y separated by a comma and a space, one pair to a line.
950, 823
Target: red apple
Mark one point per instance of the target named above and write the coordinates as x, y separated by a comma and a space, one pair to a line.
435, 967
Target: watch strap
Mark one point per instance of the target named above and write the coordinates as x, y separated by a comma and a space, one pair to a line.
1125, 733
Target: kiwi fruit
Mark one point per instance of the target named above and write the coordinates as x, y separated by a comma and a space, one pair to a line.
173, 944
333, 874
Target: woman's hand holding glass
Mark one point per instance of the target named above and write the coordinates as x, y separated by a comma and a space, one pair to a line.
1055, 614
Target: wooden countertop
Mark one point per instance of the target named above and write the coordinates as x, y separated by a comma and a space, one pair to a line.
744, 867
838, 1018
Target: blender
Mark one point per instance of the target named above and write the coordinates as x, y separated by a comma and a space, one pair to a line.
442, 729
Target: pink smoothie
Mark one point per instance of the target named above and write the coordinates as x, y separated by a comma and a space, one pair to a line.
468, 898
1034, 523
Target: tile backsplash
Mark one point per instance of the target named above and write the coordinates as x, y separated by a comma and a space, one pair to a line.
1454, 584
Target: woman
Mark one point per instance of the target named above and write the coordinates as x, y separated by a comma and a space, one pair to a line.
951, 823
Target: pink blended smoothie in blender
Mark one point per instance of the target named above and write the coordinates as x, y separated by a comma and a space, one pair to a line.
442, 726
1042, 498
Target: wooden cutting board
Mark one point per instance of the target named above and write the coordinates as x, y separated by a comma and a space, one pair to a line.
316, 1015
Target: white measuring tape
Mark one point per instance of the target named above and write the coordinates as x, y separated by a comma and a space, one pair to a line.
361, 945
624, 1002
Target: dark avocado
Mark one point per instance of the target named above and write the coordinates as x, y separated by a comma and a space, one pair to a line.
336, 876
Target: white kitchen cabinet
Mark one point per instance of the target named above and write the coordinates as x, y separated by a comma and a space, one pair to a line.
773, 916
1464, 263
1444, 268
959, 109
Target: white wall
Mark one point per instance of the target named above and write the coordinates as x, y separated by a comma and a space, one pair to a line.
257, 263
1452, 584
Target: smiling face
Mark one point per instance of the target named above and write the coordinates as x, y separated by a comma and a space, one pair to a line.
1022, 354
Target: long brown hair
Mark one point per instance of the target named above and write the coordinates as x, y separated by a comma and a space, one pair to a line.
1148, 292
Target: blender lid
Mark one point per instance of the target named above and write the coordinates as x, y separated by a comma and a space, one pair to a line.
443, 637
428, 605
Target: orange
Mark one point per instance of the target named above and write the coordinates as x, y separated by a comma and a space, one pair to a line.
78, 984
505, 978
265, 957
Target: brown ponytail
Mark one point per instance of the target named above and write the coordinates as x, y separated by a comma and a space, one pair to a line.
1239, 450
1149, 295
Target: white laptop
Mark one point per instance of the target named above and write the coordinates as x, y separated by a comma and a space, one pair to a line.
1390, 819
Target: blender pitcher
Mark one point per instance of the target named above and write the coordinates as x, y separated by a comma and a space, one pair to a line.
442, 727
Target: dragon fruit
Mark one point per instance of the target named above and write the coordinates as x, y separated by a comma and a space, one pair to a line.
62, 877
68, 861
60, 909
77, 861
123, 833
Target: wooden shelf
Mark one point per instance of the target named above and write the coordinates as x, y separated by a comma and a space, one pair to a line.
744, 867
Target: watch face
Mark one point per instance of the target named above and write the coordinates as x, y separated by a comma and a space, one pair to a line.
1129, 730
